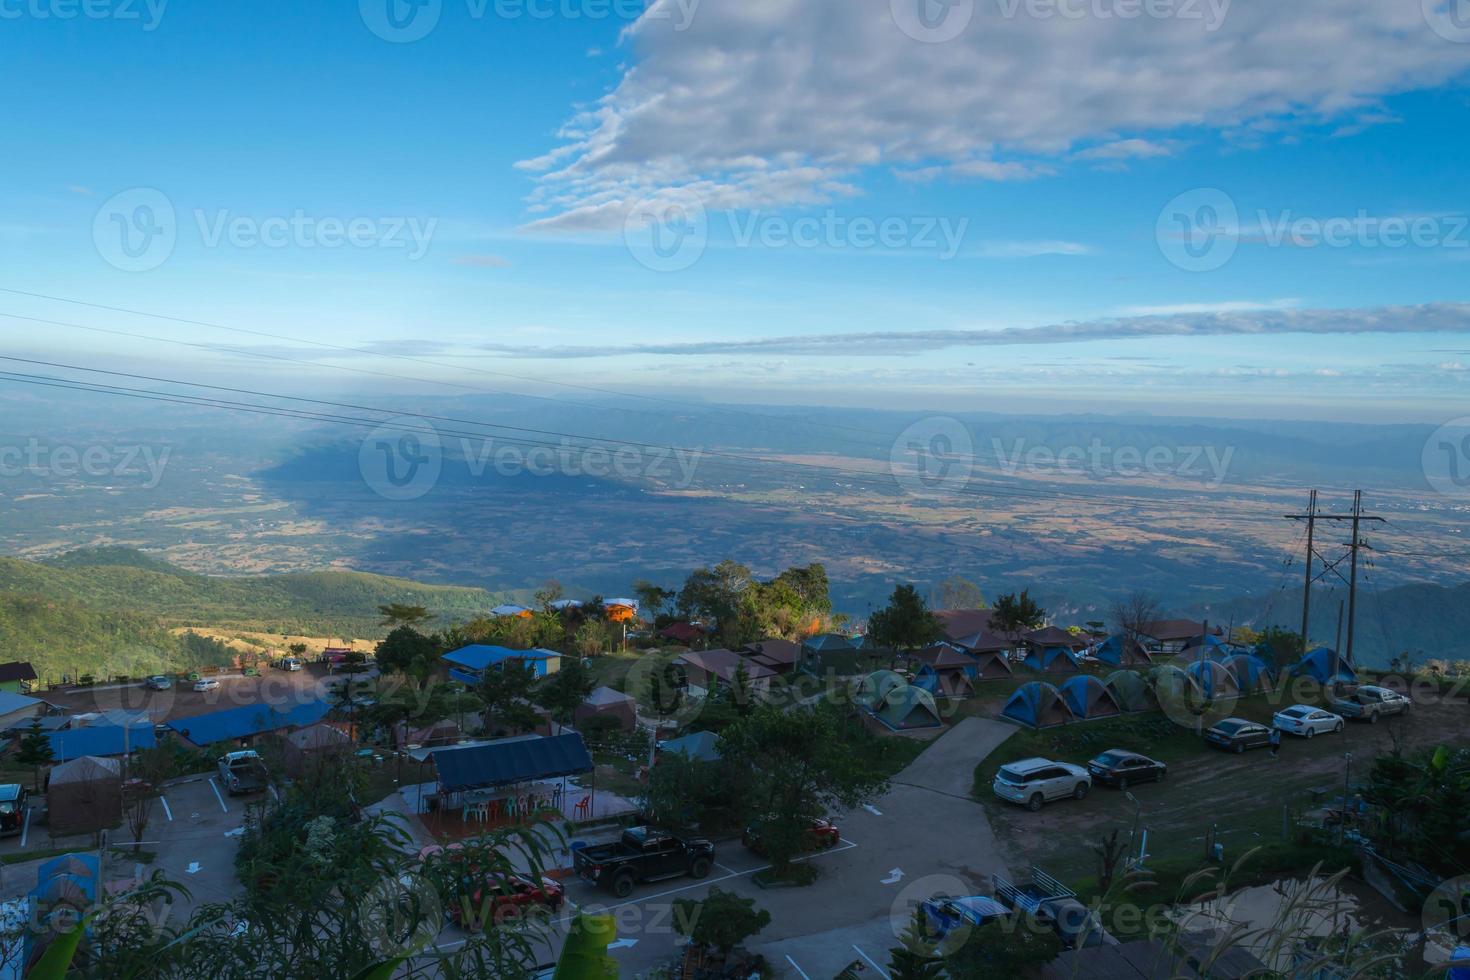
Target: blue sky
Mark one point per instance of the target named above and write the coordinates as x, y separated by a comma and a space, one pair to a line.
506, 172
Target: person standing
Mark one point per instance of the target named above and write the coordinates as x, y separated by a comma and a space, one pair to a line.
1275, 743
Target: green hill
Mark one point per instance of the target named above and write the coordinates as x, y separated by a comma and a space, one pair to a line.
108, 610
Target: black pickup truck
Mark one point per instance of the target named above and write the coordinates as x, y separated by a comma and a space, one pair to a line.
643, 854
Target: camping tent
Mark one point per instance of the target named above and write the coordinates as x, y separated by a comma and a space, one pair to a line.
874, 689
85, 795
993, 666
1121, 651
1129, 690
1037, 705
1325, 666
1053, 659
907, 707
1086, 697
1215, 682
1251, 673
1208, 646
1174, 686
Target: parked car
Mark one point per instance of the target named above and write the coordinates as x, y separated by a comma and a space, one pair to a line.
159, 682
206, 684
1032, 782
820, 835
643, 854
243, 772
1370, 703
1237, 735
501, 898
1121, 768
13, 800
289, 663
1307, 721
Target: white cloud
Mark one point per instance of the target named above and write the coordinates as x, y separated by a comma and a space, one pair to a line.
1027, 250
773, 102
1228, 306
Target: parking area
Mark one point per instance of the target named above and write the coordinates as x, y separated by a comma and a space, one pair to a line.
270, 687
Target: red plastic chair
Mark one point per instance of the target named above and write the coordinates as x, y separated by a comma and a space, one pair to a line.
583, 808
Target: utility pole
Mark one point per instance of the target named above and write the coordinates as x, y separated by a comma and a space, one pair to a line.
1357, 517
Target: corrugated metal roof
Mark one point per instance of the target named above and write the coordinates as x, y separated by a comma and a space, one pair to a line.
100, 740
503, 763
247, 720
480, 655
10, 701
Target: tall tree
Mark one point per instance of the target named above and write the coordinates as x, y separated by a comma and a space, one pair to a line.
721, 921
905, 623
550, 591
799, 765
563, 692
506, 692
957, 592
914, 957
407, 651
1133, 613
1014, 614
401, 614
652, 598
35, 751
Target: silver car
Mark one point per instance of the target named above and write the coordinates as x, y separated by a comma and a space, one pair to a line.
1032, 782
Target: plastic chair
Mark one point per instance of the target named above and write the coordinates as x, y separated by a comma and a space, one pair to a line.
583, 807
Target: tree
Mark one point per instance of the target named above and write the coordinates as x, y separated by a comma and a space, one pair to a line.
147, 768
1004, 949
407, 651
399, 614
35, 751
957, 592
652, 598
550, 591
914, 958
722, 921
905, 623
1015, 614
1134, 612
1109, 853
505, 692
1280, 647
799, 764
563, 692
685, 792
658, 687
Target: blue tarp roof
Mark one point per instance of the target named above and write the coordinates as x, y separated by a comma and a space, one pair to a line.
101, 740
502, 763
699, 746
480, 655
247, 720
1320, 664
828, 643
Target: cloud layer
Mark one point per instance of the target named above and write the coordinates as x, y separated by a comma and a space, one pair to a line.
1434, 318
764, 103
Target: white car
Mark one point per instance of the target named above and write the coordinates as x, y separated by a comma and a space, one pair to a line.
1032, 782
1307, 721
158, 682
206, 684
291, 663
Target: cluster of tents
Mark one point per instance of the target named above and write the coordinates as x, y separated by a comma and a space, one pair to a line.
1211, 674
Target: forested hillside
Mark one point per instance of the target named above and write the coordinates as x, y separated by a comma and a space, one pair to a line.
108, 610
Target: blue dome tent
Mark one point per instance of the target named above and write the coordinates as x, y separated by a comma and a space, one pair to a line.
1215, 682
1325, 666
1129, 690
1086, 697
1251, 673
1037, 705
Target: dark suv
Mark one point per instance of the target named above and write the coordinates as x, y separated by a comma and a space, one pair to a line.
13, 800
